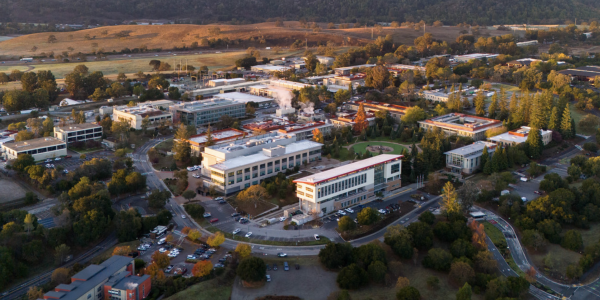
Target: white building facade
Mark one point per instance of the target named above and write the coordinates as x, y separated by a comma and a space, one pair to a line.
353, 184
40, 149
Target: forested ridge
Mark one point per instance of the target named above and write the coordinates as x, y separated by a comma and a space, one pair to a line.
482, 12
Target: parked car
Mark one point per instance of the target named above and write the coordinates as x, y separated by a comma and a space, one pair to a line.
268, 278
282, 219
274, 267
341, 212
218, 199
222, 202
191, 256
317, 237
349, 210
206, 215
281, 254
236, 231
169, 269
235, 214
214, 220
249, 234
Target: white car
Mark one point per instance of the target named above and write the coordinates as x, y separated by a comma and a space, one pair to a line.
173, 254
190, 169
206, 215
48, 160
236, 231
191, 256
317, 237
196, 176
282, 219
183, 216
218, 198
341, 212
162, 250
349, 210
249, 234
57, 159
381, 211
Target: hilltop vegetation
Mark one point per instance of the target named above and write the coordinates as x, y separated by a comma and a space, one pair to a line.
483, 12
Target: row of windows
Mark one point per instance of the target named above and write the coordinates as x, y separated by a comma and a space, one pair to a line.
353, 201
44, 150
395, 168
239, 179
269, 164
342, 185
83, 137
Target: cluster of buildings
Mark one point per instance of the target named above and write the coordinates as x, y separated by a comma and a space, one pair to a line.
113, 279
467, 159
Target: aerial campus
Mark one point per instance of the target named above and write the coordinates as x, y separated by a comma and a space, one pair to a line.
284, 159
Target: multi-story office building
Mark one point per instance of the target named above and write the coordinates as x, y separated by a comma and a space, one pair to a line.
461, 124
468, 158
78, 132
349, 185
135, 115
40, 149
248, 161
113, 279
519, 136
348, 70
206, 112
246, 98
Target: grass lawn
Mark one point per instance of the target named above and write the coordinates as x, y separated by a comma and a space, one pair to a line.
229, 235
361, 147
562, 258
577, 115
13, 85
590, 236
417, 275
206, 290
493, 232
165, 146
250, 208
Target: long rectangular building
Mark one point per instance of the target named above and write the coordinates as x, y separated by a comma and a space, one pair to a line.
353, 184
40, 149
198, 141
395, 111
467, 159
113, 279
136, 114
78, 132
461, 124
206, 112
245, 162
519, 136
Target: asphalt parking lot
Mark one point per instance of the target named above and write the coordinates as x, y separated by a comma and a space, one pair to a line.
188, 248
74, 161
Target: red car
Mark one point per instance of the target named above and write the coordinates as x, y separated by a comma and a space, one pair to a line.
215, 220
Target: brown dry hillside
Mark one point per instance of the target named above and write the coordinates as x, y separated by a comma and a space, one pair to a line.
239, 36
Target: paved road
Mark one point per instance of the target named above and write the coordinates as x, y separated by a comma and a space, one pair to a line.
83, 258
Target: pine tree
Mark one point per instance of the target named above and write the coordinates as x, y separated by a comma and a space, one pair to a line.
503, 104
484, 157
496, 161
209, 137
464, 293
566, 126
413, 151
515, 111
538, 118
535, 145
554, 123
487, 169
493, 107
573, 127
479, 102
351, 89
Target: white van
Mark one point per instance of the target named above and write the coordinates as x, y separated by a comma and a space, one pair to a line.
524, 179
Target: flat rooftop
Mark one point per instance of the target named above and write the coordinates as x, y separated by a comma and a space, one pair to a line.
242, 97
33, 144
469, 150
518, 136
251, 142
349, 168
588, 71
142, 110
75, 127
225, 134
299, 127
231, 80
383, 106
352, 67
203, 104
271, 68
260, 156
458, 121
476, 56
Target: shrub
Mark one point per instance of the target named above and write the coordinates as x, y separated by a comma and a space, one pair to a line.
352, 277
408, 293
252, 269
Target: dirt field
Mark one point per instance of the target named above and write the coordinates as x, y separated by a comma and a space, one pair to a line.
11, 191
169, 36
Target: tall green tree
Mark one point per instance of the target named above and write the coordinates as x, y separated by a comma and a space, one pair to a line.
535, 145
464, 293
493, 107
554, 122
479, 102
566, 126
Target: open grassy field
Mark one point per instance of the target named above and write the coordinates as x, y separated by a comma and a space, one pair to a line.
361, 147
13, 85
577, 115
168, 36
131, 65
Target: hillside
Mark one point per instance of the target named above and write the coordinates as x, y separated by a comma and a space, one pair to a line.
239, 37
483, 12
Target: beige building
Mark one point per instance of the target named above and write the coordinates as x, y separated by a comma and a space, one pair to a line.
78, 132
41, 149
135, 115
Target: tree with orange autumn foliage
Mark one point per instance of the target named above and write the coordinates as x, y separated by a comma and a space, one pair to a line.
154, 271
202, 268
478, 234
530, 275
161, 259
360, 121
185, 230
